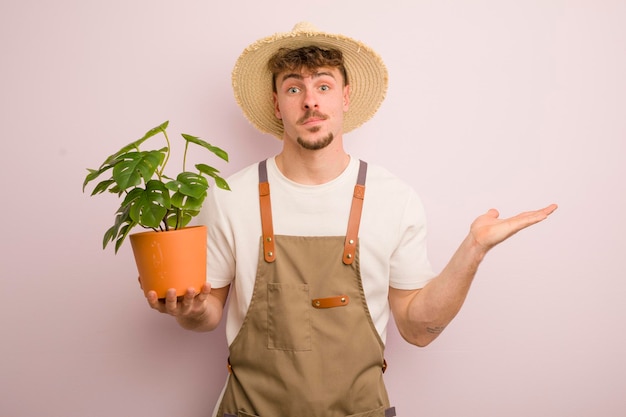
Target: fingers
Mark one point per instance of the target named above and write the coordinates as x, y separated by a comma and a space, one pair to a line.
488, 230
153, 301
204, 292
546, 211
164, 305
550, 209
493, 213
171, 302
531, 217
179, 306
186, 302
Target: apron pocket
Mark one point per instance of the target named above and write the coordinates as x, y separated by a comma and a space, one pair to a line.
288, 317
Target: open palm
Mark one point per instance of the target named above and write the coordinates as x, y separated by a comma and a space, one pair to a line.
488, 229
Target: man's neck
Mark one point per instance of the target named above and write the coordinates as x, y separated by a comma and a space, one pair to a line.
312, 167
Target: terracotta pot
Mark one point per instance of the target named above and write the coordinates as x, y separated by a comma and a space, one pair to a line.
172, 259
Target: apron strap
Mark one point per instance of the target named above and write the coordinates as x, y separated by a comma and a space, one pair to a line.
349, 247
269, 252
267, 227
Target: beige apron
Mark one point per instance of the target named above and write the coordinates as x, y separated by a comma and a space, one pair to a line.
307, 346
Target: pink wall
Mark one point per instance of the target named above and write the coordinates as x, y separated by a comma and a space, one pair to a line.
492, 103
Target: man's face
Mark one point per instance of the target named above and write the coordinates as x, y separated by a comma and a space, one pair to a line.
311, 105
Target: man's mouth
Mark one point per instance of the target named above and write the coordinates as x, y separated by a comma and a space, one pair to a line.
311, 117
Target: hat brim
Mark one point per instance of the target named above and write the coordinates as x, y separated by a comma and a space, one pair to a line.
252, 80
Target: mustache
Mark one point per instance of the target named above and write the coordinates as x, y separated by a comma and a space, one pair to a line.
312, 114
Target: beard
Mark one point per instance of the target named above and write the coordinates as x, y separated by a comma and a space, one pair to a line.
316, 145
320, 143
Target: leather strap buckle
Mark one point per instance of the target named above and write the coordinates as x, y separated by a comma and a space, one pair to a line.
354, 221
267, 227
330, 302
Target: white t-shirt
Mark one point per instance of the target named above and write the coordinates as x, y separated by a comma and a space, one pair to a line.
392, 234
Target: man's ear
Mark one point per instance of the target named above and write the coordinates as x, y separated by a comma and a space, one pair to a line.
346, 98
276, 107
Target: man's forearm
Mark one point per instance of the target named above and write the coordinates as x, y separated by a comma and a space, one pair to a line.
430, 310
422, 315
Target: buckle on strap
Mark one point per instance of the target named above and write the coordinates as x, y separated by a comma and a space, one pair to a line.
269, 250
354, 221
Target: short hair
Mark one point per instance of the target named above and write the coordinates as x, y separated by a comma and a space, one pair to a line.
306, 57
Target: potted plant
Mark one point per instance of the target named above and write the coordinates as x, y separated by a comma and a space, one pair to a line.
163, 204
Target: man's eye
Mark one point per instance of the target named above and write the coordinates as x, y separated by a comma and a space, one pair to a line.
293, 90
324, 88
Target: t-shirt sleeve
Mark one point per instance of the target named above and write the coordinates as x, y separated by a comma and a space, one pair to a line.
220, 242
409, 266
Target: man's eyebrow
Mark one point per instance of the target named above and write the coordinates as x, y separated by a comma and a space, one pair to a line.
292, 75
299, 76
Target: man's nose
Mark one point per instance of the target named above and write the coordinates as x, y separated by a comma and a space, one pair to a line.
310, 101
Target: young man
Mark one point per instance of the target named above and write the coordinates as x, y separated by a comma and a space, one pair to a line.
315, 266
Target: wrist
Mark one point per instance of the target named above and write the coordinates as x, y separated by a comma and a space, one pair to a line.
474, 249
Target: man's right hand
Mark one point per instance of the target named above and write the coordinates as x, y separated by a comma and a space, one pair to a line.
200, 311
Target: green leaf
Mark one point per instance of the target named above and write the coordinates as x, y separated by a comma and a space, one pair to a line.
212, 172
214, 149
102, 186
94, 173
155, 130
149, 207
115, 189
185, 202
120, 229
205, 169
124, 231
189, 183
135, 166
190, 190
109, 236
132, 196
221, 183
179, 218
135, 145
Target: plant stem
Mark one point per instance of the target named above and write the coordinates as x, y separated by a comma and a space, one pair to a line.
185, 154
167, 155
178, 217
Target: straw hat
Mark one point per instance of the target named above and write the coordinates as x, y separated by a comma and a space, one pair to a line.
252, 80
